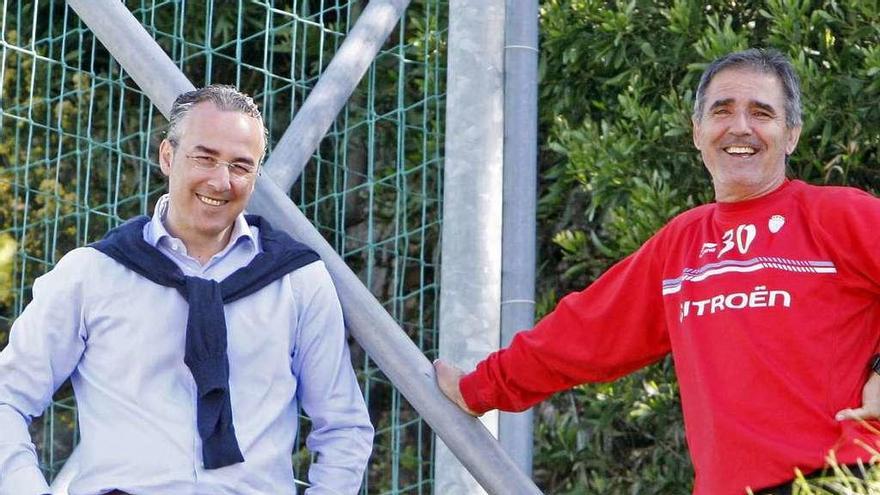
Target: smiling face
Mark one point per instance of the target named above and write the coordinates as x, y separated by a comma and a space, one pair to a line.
742, 134
203, 204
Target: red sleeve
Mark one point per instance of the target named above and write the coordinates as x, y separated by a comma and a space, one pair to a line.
849, 221
611, 328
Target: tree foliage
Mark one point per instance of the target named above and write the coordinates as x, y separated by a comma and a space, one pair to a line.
617, 89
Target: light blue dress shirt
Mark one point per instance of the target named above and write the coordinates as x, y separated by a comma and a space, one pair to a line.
120, 339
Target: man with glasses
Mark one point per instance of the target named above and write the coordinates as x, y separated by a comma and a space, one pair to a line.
191, 338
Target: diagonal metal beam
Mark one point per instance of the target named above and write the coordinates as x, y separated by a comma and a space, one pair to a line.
337, 83
368, 322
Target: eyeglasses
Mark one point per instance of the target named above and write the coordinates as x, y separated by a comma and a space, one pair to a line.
239, 171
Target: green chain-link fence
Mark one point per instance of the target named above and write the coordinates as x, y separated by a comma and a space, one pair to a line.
78, 143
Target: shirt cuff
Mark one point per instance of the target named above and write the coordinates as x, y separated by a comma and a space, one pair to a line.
476, 395
26, 480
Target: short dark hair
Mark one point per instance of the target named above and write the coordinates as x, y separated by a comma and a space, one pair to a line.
226, 97
767, 61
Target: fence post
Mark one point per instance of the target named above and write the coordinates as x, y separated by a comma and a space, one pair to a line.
470, 272
520, 202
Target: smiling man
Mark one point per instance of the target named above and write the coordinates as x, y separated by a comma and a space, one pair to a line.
767, 300
191, 338
744, 136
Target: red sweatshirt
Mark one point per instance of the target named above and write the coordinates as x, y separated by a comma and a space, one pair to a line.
770, 309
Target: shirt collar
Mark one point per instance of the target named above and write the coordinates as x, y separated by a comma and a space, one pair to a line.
157, 233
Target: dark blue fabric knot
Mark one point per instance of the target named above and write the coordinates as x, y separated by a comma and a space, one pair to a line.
205, 353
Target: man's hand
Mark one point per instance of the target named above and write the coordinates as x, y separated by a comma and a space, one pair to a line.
448, 377
870, 402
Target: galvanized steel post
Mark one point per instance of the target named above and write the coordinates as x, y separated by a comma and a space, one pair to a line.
470, 272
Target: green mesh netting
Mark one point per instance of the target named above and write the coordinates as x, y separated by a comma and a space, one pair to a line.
78, 143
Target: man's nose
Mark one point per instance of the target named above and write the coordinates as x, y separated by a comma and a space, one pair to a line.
741, 125
220, 178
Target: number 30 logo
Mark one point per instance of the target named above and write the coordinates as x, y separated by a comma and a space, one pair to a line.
743, 238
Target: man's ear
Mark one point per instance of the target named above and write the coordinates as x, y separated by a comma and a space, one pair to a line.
166, 153
793, 136
696, 134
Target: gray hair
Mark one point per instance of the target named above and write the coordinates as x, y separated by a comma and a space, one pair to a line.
227, 98
764, 61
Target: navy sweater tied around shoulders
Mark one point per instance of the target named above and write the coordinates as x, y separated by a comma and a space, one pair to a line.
205, 353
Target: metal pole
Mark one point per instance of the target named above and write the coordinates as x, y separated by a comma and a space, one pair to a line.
520, 183
368, 322
470, 272
337, 83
